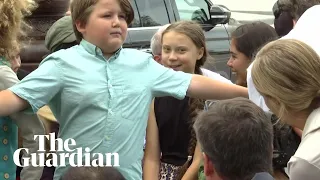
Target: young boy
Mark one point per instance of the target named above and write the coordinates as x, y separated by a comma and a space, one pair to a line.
94, 173
100, 92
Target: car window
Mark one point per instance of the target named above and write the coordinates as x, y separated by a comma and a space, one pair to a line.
152, 12
136, 21
197, 10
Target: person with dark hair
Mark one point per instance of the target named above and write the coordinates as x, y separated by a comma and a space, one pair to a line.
293, 9
305, 29
92, 173
283, 20
236, 139
287, 13
245, 42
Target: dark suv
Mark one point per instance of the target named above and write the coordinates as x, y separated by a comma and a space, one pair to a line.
149, 16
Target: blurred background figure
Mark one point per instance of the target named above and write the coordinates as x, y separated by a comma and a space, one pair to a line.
92, 173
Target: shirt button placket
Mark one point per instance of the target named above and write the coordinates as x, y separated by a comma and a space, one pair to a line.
5, 128
6, 176
111, 95
5, 158
5, 141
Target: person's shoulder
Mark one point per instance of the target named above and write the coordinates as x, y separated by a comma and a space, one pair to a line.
6, 71
215, 76
62, 56
309, 141
300, 168
135, 57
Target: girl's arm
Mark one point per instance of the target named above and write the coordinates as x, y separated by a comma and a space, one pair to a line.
35, 90
205, 88
9, 102
151, 164
29, 125
192, 172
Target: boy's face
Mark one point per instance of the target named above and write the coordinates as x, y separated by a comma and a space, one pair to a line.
106, 26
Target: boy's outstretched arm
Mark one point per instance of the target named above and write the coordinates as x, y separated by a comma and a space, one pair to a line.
205, 88
11, 103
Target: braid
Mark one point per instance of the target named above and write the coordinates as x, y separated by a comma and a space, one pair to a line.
195, 106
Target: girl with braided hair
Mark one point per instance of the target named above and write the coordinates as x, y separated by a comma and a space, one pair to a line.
171, 146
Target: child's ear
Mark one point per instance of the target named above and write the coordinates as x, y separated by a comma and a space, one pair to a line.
200, 53
157, 58
80, 26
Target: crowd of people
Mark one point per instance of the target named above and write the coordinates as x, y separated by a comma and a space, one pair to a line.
166, 116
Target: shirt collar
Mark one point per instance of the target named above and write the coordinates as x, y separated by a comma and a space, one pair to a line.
95, 50
262, 176
312, 123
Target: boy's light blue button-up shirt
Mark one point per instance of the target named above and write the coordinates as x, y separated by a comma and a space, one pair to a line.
102, 104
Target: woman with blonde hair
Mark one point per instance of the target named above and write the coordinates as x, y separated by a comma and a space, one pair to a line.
12, 26
287, 74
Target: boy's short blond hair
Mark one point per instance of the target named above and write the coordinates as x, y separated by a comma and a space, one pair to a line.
12, 25
82, 9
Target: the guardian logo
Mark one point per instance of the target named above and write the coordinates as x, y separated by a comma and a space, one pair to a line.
64, 153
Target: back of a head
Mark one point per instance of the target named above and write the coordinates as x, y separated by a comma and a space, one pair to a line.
287, 12
252, 36
288, 71
155, 43
60, 35
307, 28
296, 7
237, 137
12, 25
92, 173
283, 20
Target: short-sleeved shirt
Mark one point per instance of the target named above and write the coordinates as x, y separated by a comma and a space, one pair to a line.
103, 104
174, 124
254, 95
